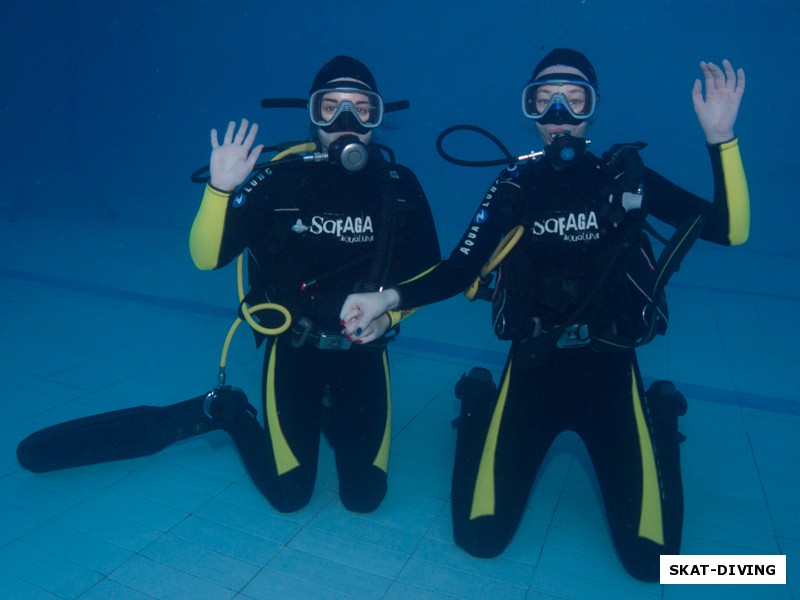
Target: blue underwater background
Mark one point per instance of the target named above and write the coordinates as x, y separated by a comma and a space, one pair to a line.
106, 109
107, 97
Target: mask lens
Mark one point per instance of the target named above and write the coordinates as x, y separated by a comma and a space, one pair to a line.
575, 97
325, 106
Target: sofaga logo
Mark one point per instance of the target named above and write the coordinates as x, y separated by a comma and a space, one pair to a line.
350, 230
572, 228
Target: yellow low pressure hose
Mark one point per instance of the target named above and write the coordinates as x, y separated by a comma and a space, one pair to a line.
503, 248
248, 311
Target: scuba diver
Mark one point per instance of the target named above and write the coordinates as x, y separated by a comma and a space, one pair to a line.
321, 220
578, 291
341, 220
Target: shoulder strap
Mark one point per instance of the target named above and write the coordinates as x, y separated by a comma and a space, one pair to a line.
378, 271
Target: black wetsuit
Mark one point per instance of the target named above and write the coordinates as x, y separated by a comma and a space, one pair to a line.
312, 234
568, 241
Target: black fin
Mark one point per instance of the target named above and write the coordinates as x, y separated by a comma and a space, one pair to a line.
120, 434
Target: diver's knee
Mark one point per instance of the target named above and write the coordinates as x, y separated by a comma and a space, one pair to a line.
644, 566
641, 557
364, 494
481, 538
290, 499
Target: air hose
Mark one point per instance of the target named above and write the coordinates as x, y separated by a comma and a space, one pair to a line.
503, 248
246, 311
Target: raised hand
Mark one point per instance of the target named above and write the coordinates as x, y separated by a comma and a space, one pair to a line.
234, 159
717, 110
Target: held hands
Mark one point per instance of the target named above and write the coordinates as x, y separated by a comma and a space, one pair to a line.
234, 159
363, 315
374, 330
723, 94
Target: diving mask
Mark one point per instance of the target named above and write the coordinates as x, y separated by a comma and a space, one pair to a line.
559, 98
327, 105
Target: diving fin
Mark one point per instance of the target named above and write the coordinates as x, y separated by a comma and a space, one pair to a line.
128, 433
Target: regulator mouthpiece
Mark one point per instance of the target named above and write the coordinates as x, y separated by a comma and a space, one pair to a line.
565, 150
349, 152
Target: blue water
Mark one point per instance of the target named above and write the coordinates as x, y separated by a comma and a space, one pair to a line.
105, 111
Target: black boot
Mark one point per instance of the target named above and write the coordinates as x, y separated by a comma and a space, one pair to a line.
223, 404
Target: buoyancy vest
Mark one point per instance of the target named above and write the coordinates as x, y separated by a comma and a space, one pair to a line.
312, 297
623, 305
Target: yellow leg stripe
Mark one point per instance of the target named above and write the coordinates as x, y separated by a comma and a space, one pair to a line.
737, 192
651, 525
382, 458
285, 459
483, 497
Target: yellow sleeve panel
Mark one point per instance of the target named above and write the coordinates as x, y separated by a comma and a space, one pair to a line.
737, 193
205, 237
395, 316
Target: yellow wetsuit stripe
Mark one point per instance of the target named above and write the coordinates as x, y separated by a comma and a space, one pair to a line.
396, 316
690, 231
382, 458
285, 460
425, 272
737, 193
651, 523
205, 237
483, 497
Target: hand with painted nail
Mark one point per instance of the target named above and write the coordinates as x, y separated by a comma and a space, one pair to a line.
373, 331
360, 311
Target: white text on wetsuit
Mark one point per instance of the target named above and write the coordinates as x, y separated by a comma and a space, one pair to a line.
349, 229
469, 239
572, 227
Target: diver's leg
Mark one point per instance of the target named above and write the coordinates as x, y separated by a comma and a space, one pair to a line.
633, 444
361, 425
282, 457
502, 440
